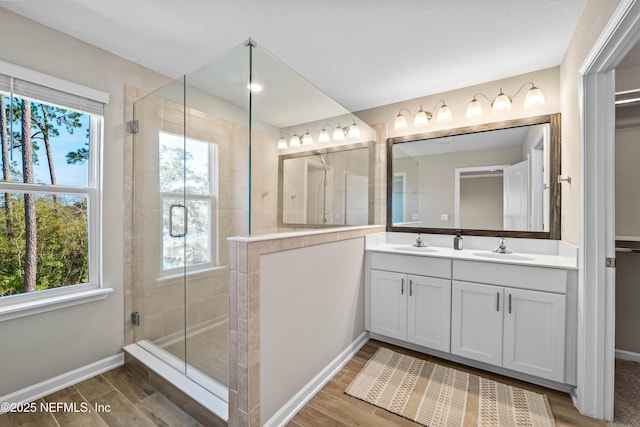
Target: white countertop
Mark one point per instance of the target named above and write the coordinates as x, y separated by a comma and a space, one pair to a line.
519, 258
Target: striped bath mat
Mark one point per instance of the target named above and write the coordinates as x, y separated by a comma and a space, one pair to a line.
436, 396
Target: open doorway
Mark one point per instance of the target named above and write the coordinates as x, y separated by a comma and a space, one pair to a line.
627, 240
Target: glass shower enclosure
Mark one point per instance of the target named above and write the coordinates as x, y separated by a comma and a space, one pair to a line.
206, 167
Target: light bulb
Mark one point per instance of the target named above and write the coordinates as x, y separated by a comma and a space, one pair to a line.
354, 131
501, 104
282, 143
474, 109
444, 114
323, 136
400, 122
254, 87
307, 139
534, 98
294, 141
338, 134
421, 119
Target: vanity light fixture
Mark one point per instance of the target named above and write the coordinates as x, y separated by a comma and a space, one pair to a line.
502, 102
323, 136
354, 130
339, 134
422, 118
282, 144
474, 109
294, 141
307, 139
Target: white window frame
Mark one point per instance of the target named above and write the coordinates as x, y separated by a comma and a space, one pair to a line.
25, 304
212, 198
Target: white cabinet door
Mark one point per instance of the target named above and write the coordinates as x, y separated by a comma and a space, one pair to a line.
476, 321
429, 312
534, 333
389, 304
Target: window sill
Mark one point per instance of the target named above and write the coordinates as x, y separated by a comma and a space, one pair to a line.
43, 305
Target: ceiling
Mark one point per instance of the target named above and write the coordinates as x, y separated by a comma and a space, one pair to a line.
362, 53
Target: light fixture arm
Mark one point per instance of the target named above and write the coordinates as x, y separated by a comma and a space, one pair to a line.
522, 87
483, 95
436, 104
405, 109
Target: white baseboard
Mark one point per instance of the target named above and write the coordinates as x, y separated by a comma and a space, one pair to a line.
289, 409
627, 355
46, 387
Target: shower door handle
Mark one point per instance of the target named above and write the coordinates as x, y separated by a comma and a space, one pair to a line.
172, 208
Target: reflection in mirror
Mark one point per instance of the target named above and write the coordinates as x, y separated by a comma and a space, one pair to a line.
326, 187
484, 180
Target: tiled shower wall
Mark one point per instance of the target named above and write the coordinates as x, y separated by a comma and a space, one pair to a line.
160, 300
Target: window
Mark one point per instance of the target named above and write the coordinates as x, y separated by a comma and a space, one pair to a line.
187, 172
49, 192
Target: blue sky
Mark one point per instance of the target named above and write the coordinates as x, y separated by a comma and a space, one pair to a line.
66, 174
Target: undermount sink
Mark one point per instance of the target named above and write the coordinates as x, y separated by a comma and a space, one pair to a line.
513, 257
415, 249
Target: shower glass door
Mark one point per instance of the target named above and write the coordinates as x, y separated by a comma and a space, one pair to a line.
191, 193
161, 224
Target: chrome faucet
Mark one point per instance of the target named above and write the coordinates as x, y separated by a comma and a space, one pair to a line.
419, 242
502, 249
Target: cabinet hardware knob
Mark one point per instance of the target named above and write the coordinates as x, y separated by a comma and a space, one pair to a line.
509, 303
402, 287
410, 287
497, 301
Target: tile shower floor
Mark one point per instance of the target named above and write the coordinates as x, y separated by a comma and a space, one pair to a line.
207, 351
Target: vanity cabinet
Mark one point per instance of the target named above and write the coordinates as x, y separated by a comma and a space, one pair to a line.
515, 318
477, 321
518, 329
411, 307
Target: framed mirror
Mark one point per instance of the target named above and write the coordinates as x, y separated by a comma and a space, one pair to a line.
328, 187
497, 179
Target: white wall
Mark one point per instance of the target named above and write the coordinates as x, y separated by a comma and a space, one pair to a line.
547, 80
39, 347
308, 315
595, 16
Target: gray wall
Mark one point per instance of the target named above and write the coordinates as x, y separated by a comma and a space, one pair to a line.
481, 203
39, 347
307, 316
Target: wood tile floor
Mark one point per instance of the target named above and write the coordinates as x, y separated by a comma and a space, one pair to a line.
131, 401
331, 407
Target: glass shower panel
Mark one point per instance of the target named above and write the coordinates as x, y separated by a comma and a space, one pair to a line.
292, 118
161, 215
216, 190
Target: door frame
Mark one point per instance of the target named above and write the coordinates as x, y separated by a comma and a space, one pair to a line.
596, 321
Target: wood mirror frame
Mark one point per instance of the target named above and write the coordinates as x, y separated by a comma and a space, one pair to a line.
555, 169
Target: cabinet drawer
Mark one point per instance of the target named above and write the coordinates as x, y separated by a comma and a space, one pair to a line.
515, 276
421, 265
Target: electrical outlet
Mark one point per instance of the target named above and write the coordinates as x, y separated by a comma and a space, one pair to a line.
444, 217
